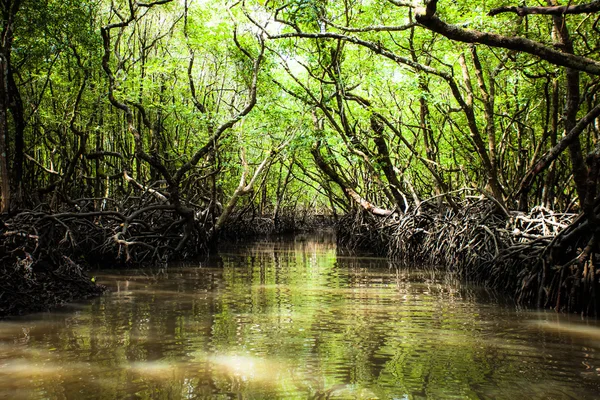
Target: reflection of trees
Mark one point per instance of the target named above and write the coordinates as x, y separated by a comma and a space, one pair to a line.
283, 319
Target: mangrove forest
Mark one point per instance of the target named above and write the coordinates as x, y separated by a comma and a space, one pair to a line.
299, 199
462, 138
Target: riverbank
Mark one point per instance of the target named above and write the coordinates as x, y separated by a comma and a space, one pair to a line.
530, 256
29, 286
44, 257
534, 257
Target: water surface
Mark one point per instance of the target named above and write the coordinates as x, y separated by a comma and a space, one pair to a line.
290, 319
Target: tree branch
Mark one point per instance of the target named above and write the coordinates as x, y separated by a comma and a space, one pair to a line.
373, 28
426, 17
553, 153
588, 8
211, 142
154, 3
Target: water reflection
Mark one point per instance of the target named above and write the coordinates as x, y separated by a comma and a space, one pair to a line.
289, 319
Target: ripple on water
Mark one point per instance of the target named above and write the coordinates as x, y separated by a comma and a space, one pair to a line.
290, 320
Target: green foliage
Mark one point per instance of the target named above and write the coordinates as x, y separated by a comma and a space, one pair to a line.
339, 85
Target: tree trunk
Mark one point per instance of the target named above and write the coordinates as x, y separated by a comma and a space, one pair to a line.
4, 178
348, 190
15, 106
9, 9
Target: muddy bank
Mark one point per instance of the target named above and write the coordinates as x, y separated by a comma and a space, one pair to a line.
39, 267
29, 284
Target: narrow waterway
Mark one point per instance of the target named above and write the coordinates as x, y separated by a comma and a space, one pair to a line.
289, 319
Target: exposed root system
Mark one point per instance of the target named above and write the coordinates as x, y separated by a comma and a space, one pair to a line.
539, 257
38, 276
43, 254
251, 226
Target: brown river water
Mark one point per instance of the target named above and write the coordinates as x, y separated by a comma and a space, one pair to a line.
289, 318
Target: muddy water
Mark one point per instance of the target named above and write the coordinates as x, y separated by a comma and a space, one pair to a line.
289, 319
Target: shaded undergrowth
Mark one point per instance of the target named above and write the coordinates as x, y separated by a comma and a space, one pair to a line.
244, 226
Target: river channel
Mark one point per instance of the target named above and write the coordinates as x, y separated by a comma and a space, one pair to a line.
290, 318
